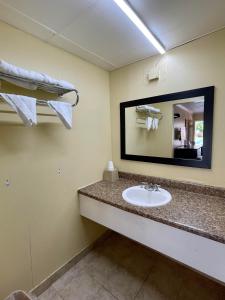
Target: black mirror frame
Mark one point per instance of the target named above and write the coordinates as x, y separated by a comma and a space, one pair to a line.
208, 94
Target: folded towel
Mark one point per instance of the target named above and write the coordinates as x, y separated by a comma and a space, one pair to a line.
64, 112
12, 70
155, 123
149, 123
24, 106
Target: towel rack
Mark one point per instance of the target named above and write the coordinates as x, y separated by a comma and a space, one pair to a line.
148, 112
56, 89
39, 102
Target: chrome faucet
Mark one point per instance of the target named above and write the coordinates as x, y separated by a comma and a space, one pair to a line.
150, 186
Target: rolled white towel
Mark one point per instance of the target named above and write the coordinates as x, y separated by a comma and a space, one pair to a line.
66, 85
20, 72
12, 70
148, 108
152, 109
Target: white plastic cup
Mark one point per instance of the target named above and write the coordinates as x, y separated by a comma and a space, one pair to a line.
110, 166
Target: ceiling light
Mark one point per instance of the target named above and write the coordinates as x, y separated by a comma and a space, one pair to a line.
140, 25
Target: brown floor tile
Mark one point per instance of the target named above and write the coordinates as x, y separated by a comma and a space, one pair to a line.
120, 269
63, 281
197, 287
50, 294
85, 287
120, 266
127, 254
118, 280
163, 282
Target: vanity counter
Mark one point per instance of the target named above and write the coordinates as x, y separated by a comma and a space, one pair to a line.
194, 208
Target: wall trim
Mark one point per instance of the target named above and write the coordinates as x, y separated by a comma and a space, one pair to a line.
47, 282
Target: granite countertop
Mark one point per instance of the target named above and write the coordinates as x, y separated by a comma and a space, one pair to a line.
193, 208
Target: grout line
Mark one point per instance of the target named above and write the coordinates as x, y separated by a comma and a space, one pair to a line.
101, 58
58, 293
145, 279
80, 15
198, 37
109, 292
12, 8
105, 288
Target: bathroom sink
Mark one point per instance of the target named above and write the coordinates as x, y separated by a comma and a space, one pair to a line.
139, 196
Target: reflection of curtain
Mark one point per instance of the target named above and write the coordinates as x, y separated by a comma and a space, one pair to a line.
183, 135
189, 132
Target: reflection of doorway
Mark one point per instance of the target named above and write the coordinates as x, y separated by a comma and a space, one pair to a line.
188, 129
198, 136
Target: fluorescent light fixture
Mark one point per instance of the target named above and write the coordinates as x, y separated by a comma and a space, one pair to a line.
140, 25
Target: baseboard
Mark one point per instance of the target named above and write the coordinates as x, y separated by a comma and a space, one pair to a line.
46, 283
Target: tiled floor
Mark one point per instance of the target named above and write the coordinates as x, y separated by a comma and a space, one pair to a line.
120, 269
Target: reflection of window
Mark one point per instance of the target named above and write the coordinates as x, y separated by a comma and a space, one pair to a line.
199, 127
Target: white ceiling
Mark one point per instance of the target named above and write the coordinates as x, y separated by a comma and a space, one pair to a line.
194, 107
99, 32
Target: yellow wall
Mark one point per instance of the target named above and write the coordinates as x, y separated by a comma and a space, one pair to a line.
40, 226
194, 65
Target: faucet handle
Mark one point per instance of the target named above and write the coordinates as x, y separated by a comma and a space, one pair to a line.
157, 187
144, 184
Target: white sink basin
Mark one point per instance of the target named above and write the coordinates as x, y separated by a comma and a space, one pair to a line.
139, 196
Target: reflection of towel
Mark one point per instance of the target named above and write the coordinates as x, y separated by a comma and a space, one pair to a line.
24, 106
8, 69
148, 108
149, 123
155, 123
64, 112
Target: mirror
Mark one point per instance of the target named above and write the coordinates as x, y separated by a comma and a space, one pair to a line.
173, 129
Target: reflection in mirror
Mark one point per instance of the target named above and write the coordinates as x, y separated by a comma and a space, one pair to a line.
188, 129
171, 129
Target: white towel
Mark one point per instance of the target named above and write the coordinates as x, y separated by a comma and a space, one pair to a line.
155, 123
64, 112
12, 70
149, 123
24, 106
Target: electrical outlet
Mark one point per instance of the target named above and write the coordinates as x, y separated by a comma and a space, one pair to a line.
7, 183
